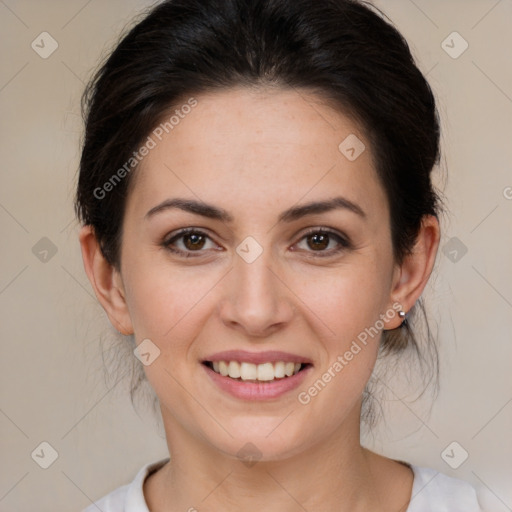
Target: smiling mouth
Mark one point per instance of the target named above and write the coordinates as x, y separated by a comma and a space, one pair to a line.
249, 372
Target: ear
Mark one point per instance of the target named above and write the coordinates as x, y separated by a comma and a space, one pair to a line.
411, 277
106, 281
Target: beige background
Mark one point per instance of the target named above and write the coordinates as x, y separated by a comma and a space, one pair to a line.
52, 385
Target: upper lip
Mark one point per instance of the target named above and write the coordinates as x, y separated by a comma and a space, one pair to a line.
257, 357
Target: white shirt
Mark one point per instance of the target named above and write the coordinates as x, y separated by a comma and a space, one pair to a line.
431, 492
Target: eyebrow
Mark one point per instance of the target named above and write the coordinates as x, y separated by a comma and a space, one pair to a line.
292, 214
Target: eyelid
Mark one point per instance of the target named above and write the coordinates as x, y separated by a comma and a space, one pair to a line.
176, 235
342, 239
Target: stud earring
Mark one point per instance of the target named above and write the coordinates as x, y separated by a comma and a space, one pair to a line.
401, 314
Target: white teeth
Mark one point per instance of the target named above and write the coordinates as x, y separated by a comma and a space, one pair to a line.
249, 371
266, 371
223, 368
279, 370
234, 369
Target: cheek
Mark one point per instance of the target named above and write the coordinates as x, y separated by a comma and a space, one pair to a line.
162, 300
346, 306
352, 314
347, 299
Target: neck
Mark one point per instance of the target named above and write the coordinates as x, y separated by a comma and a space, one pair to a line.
333, 474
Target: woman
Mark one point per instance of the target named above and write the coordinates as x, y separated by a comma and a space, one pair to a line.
258, 213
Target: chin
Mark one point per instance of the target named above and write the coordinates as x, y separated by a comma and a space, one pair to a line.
260, 439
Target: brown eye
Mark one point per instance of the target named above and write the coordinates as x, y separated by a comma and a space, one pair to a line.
188, 241
193, 241
324, 242
318, 241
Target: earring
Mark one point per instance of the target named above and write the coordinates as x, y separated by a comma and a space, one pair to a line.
401, 314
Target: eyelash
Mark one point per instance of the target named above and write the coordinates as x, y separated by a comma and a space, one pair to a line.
343, 242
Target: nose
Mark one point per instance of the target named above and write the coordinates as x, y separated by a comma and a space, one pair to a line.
257, 300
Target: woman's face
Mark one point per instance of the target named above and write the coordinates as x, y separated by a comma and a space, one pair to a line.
262, 280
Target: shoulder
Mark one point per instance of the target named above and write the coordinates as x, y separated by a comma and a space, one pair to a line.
128, 497
437, 492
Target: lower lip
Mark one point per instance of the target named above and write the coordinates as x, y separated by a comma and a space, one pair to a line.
257, 390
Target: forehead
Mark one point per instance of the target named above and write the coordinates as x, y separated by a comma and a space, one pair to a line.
242, 145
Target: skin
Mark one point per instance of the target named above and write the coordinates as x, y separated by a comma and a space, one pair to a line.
256, 153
